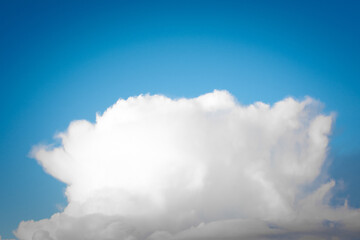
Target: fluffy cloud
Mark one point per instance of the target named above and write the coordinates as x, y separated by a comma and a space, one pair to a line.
156, 168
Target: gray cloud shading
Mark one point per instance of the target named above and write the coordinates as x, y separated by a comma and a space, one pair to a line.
154, 168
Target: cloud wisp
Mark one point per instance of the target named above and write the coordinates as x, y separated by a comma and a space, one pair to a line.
155, 168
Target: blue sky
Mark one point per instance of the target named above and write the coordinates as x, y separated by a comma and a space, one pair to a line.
66, 60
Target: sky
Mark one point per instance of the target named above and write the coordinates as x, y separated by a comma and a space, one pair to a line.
63, 61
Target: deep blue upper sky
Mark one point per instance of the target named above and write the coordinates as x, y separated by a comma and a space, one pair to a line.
67, 60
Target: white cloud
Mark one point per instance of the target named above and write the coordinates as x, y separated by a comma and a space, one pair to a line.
207, 168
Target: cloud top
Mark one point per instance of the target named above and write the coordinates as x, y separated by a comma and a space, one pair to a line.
154, 168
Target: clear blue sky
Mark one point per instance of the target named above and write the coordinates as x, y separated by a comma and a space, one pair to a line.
67, 60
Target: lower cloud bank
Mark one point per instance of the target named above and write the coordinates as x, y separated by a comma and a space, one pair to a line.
156, 168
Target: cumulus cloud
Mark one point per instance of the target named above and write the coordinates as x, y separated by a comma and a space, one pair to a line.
156, 168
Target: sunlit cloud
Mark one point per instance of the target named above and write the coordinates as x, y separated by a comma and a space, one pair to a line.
154, 168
